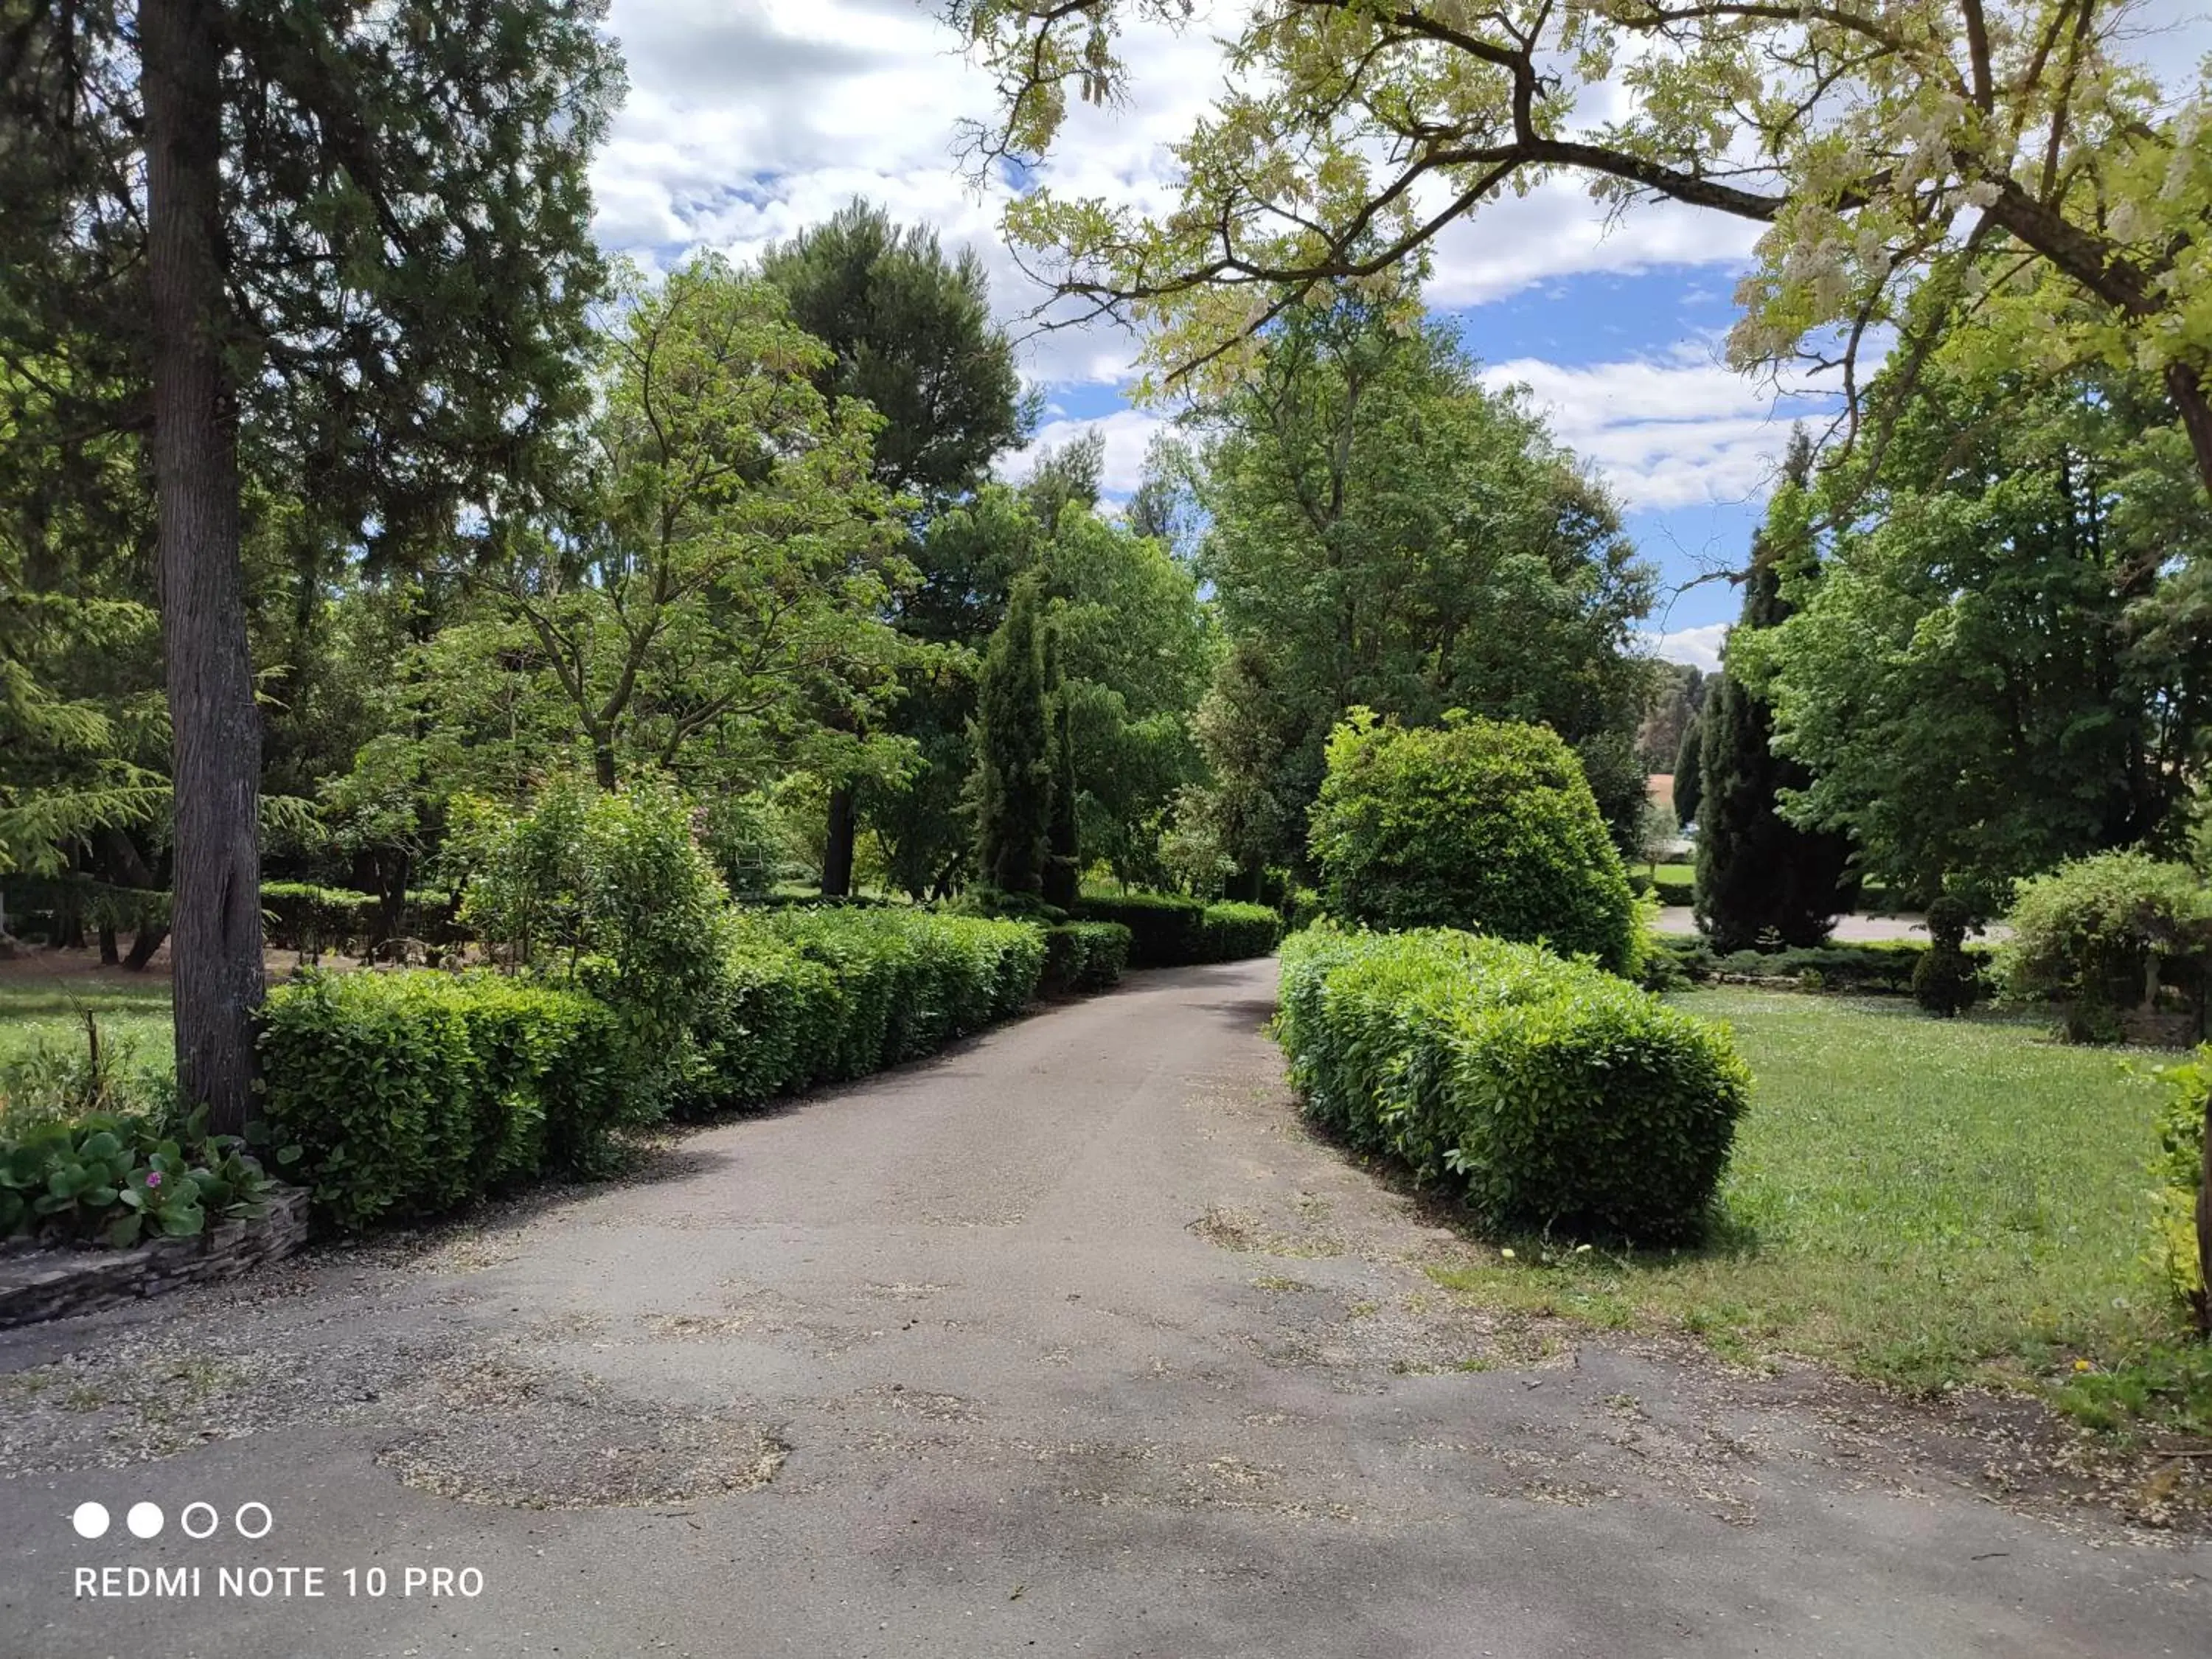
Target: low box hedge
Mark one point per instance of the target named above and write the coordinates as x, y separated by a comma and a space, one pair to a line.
1168, 931
1086, 956
1551, 1094
408, 1094
1884, 966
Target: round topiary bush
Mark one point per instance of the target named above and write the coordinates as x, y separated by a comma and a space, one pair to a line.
1487, 825
1945, 982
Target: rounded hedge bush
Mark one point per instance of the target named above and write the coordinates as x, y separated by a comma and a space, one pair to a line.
1550, 1095
1486, 825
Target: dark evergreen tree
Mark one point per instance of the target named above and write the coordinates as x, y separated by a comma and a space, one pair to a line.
342, 251
1063, 864
1756, 874
1689, 773
910, 331
1013, 777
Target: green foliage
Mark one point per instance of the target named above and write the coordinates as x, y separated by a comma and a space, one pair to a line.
301, 916
1760, 875
1384, 532
1169, 931
808, 996
1887, 967
397, 1097
1945, 982
2097, 935
1013, 761
1551, 1094
1478, 823
909, 334
1230, 931
116, 1178
1086, 956
2178, 1170
1689, 772
1995, 663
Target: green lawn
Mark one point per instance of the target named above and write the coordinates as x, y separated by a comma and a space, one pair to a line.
48, 1011
1921, 1201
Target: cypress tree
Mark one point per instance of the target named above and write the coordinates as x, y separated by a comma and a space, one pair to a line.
1063, 865
1014, 765
1689, 772
1757, 873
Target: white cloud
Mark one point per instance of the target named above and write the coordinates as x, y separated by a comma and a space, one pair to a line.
1701, 647
1128, 434
1664, 433
748, 120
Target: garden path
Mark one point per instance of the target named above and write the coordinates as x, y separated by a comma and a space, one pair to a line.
1071, 1341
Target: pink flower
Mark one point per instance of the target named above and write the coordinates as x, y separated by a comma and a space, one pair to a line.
152, 1177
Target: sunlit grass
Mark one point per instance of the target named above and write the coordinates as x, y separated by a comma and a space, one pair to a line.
1926, 1202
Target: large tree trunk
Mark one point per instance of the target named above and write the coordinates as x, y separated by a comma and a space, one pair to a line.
837, 849
215, 920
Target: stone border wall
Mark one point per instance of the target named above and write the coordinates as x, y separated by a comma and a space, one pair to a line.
40, 1284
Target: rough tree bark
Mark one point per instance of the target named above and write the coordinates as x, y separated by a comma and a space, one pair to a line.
216, 918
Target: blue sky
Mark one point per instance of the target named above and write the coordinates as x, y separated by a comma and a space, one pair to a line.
749, 119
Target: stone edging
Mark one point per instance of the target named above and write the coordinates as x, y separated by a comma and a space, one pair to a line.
41, 1284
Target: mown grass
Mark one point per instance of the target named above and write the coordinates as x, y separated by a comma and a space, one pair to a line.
1920, 1201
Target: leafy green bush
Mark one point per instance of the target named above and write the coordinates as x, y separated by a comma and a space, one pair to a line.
1477, 823
113, 1179
2179, 1252
301, 916
1886, 966
808, 996
1169, 931
400, 1096
1551, 1094
1086, 956
612, 892
1945, 981
2097, 935
1231, 932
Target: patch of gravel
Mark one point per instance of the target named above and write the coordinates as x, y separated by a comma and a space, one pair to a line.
526, 1439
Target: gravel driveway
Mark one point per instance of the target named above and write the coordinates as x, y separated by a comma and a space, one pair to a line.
1071, 1341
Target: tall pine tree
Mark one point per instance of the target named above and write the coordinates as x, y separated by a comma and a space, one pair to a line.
1013, 778
1756, 874
1689, 771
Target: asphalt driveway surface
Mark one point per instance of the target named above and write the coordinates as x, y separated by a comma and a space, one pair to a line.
1072, 1340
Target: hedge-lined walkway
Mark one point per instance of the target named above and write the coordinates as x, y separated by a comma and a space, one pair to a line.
1069, 1340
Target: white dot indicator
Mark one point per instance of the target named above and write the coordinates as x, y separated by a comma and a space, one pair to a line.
144, 1520
90, 1520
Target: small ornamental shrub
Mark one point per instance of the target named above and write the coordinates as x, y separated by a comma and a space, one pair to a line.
1549, 1093
1086, 956
1169, 931
119, 1178
394, 1096
1944, 981
1482, 824
1231, 932
2100, 935
2183, 1248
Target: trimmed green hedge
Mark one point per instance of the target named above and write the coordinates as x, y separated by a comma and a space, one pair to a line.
1166, 931
1086, 956
1884, 966
395, 1096
301, 916
407, 1094
1551, 1094
824, 995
